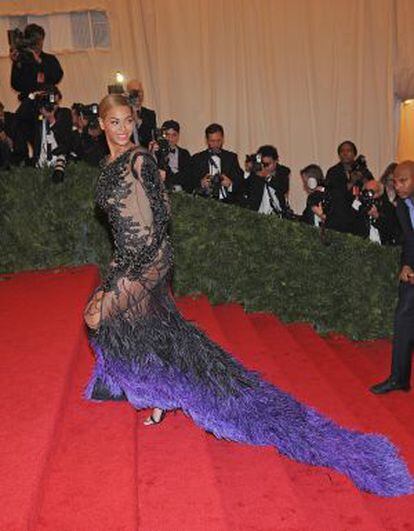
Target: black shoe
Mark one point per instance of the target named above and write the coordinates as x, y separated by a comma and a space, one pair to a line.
387, 386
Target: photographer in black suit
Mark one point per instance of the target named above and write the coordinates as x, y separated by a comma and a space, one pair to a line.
145, 119
178, 159
32, 71
215, 172
377, 215
314, 186
53, 135
267, 186
343, 181
404, 316
88, 141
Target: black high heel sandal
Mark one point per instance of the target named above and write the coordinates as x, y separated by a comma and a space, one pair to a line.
153, 420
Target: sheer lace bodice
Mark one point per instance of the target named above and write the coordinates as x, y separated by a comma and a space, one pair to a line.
133, 196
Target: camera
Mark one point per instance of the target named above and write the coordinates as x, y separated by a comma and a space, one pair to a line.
358, 169
47, 100
321, 197
159, 136
90, 113
133, 96
24, 46
367, 199
256, 161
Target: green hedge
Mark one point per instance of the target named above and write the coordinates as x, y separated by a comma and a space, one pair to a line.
225, 252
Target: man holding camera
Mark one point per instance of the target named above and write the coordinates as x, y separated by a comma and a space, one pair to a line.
314, 185
88, 141
53, 134
403, 342
145, 119
343, 182
32, 70
178, 158
267, 186
377, 215
215, 172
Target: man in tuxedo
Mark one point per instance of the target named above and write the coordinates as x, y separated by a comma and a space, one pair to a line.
145, 119
266, 189
215, 171
53, 135
403, 343
341, 182
178, 159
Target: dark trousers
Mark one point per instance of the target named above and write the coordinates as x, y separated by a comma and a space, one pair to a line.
5, 155
24, 129
403, 334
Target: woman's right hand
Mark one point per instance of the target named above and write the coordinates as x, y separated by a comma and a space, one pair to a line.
92, 312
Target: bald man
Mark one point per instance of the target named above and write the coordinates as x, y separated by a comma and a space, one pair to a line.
379, 222
403, 343
146, 120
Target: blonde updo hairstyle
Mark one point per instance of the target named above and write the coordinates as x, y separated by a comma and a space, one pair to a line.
110, 101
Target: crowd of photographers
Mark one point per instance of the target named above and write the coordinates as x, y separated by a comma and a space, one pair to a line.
42, 133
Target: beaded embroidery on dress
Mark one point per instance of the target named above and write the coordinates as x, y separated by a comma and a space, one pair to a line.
148, 354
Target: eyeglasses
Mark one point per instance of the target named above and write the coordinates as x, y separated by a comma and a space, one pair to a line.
266, 164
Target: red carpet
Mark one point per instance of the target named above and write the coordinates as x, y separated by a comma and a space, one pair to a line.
69, 465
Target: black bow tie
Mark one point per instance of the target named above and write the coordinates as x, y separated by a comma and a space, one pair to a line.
173, 150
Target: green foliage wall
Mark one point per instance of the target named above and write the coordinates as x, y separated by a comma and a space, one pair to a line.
225, 252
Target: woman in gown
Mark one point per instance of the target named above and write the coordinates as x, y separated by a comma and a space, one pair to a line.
148, 354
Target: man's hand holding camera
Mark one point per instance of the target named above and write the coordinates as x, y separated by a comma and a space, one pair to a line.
207, 180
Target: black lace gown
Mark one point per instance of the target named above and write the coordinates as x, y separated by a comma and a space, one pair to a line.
148, 354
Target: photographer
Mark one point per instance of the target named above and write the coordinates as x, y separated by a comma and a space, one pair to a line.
314, 185
215, 172
377, 215
88, 141
176, 160
145, 119
343, 182
6, 142
53, 133
32, 71
267, 186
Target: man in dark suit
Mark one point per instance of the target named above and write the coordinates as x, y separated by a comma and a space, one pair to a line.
31, 73
314, 186
403, 343
266, 189
178, 159
341, 181
215, 171
53, 135
146, 120
377, 215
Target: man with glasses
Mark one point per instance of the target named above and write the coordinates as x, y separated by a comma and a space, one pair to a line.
267, 185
